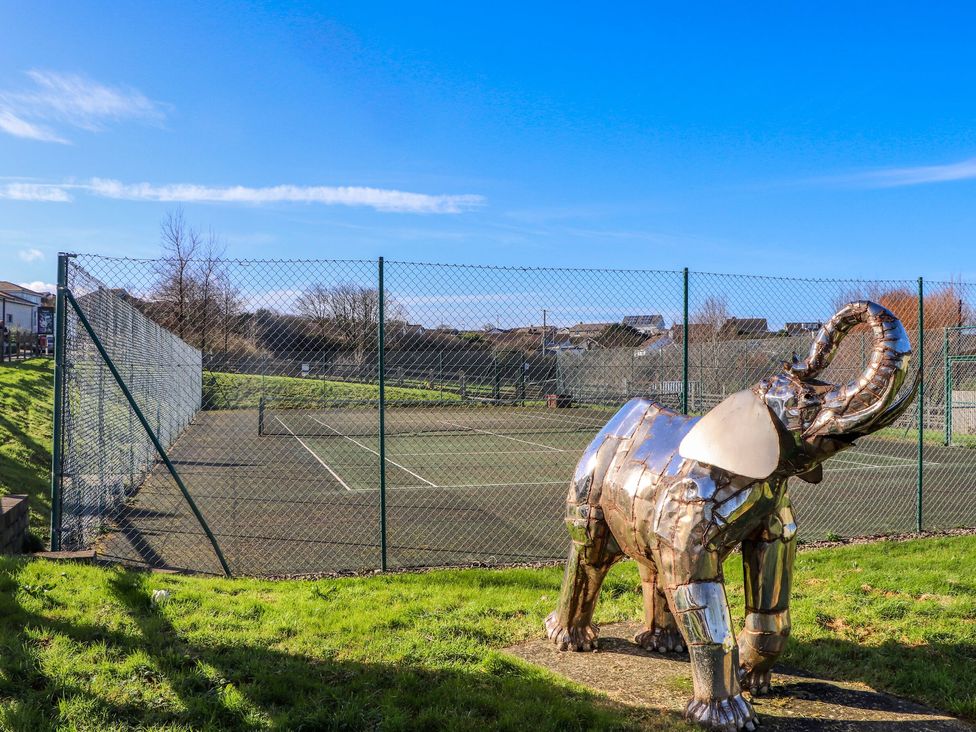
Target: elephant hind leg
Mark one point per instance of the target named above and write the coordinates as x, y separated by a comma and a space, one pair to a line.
660, 632
591, 555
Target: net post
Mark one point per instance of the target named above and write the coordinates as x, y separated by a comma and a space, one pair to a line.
684, 348
59, 376
261, 415
70, 300
381, 368
921, 402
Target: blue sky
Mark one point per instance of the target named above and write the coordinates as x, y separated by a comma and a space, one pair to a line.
832, 140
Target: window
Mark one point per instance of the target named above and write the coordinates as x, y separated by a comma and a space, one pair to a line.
10, 317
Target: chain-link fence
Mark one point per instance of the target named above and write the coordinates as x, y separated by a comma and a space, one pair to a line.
291, 417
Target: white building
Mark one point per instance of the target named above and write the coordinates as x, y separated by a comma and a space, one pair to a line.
19, 306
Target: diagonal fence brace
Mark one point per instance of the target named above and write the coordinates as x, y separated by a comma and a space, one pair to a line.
149, 431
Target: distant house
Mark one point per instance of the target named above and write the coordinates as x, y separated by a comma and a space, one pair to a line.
647, 324
653, 345
743, 328
535, 330
19, 306
796, 329
585, 330
563, 344
697, 332
403, 328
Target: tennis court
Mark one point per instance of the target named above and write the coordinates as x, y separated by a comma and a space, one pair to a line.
464, 484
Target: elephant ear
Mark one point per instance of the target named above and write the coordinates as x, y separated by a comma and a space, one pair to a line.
739, 436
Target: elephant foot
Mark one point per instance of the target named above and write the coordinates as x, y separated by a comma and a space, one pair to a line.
573, 638
730, 714
661, 640
754, 681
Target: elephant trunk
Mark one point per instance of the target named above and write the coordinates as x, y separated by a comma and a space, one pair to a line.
855, 406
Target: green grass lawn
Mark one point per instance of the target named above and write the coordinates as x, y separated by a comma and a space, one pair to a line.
242, 391
26, 399
82, 647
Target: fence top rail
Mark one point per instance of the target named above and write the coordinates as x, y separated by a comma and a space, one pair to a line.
514, 268
230, 260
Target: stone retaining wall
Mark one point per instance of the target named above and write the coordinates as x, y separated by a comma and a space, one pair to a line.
13, 524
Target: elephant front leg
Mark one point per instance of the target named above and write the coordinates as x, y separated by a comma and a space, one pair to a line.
702, 612
592, 552
660, 632
768, 569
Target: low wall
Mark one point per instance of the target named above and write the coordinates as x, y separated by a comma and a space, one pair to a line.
13, 524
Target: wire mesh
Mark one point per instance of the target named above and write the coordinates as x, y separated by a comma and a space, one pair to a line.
949, 460
257, 330
742, 328
261, 380
528, 366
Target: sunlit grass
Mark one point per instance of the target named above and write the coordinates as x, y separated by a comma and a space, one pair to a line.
83, 647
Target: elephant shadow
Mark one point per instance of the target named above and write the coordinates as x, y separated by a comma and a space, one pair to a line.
945, 667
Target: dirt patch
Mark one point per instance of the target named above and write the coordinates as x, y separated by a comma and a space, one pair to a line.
799, 703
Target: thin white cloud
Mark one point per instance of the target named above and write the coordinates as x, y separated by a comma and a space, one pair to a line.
380, 199
14, 125
909, 176
39, 286
963, 170
34, 192
30, 255
73, 100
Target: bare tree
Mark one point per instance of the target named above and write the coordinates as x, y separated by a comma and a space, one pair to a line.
315, 305
706, 325
714, 311
230, 307
208, 273
180, 244
350, 312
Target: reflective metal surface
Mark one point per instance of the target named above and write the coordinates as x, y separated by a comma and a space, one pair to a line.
738, 436
678, 493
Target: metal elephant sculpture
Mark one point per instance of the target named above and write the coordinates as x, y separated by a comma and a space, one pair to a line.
679, 493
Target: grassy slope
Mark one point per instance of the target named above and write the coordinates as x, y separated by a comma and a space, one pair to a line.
83, 647
242, 391
26, 399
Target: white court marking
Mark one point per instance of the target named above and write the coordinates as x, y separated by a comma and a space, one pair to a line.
314, 455
505, 437
369, 449
462, 453
567, 422
512, 484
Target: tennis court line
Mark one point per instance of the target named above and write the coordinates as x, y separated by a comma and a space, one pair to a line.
565, 421
875, 467
506, 437
459, 453
369, 449
314, 455
860, 464
510, 484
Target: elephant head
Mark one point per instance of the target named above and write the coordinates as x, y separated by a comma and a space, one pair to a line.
788, 424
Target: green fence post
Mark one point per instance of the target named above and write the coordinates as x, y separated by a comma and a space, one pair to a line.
381, 367
921, 403
59, 376
149, 431
947, 386
684, 349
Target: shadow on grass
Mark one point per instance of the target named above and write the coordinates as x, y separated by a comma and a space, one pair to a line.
222, 686
941, 673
